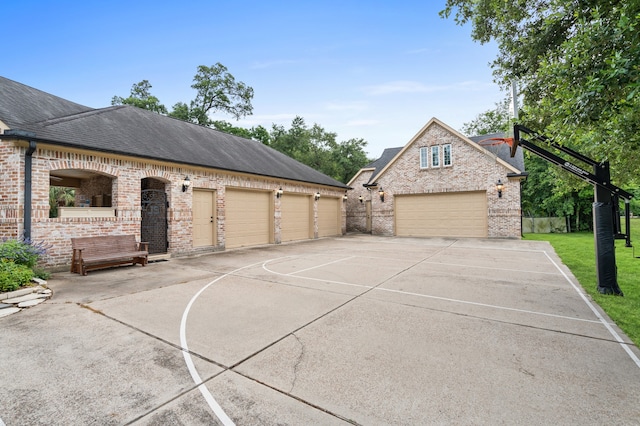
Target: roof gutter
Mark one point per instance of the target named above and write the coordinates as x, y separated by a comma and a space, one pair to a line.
28, 176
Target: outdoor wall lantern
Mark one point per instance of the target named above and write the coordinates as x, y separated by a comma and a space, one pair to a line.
345, 197
279, 193
499, 187
360, 198
381, 194
317, 196
186, 183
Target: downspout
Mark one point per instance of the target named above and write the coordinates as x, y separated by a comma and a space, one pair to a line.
28, 162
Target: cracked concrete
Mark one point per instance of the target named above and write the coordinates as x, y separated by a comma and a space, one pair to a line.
452, 339
297, 363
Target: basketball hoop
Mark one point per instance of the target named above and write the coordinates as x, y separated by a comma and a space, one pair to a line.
496, 141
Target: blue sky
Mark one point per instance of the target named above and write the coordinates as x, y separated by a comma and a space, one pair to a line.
376, 70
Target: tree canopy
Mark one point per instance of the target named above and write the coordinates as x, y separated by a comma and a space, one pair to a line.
578, 65
141, 97
216, 91
491, 121
313, 146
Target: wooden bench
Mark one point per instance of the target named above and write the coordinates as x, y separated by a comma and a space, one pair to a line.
101, 252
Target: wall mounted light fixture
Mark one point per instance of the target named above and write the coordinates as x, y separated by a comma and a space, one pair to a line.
317, 196
345, 197
186, 183
381, 194
279, 193
499, 187
360, 198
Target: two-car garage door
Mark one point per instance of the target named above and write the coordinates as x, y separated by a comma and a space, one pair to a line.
249, 217
297, 220
459, 214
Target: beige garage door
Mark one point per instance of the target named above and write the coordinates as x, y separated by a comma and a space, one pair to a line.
329, 217
460, 214
248, 218
296, 217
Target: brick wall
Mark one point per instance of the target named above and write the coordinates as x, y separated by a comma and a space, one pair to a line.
471, 170
357, 210
122, 178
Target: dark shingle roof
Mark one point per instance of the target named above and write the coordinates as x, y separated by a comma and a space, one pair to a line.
387, 155
23, 104
128, 130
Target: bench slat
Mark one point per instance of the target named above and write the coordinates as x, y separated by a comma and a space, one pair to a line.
108, 250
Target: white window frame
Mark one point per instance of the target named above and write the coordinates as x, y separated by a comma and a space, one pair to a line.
446, 163
435, 156
424, 157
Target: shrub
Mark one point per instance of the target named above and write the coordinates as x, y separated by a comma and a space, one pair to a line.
13, 275
21, 252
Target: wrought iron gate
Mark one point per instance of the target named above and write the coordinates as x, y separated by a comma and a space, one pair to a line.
154, 220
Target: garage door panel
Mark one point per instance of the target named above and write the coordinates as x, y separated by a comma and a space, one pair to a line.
296, 217
329, 217
462, 214
248, 218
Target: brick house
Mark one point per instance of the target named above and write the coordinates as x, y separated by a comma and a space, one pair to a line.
182, 187
440, 184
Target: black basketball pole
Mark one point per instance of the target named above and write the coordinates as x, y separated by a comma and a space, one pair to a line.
604, 234
605, 204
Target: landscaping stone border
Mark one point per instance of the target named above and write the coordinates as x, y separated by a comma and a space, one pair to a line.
15, 301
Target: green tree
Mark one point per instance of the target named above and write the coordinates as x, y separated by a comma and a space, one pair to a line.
141, 97
578, 64
258, 133
491, 121
319, 149
216, 91
548, 190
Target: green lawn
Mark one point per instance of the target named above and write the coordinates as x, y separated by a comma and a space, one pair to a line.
577, 251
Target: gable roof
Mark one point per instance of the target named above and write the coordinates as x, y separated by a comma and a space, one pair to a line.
132, 131
390, 155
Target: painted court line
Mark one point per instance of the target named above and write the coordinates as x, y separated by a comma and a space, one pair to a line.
213, 404
489, 267
615, 335
485, 305
320, 266
224, 418
427, 296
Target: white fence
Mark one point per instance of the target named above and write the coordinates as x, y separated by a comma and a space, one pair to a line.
544, 225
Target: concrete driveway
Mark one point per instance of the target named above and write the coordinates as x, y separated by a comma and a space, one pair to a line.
360, 329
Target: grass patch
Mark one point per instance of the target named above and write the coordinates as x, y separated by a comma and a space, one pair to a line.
577, 251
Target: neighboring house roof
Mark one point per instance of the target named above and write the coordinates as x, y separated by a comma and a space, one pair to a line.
128, 130
502, 152
378, 165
